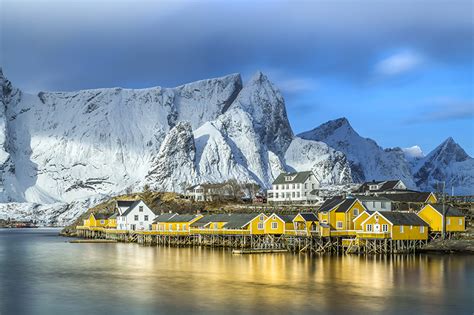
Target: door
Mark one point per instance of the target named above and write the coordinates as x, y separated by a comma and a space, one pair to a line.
376, 228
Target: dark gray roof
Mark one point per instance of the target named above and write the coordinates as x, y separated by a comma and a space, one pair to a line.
125, 203
372, 198
287, 218
130, 208
237, 221
163, 217
182, 218
309, 216
450, 211
211, 218
387, 185
101, 216
330, 203
403, 218
408, 197
299, 178
345, 205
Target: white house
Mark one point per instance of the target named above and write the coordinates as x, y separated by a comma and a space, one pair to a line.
300, 187
375, 203
210, 192
134, 216
377, 187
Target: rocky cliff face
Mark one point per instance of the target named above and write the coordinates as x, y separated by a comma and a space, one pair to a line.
447, 163
368, 160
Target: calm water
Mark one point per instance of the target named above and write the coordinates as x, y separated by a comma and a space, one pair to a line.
40, 273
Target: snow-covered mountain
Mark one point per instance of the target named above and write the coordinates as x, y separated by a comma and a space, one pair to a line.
367, 159
73, 147
447, 163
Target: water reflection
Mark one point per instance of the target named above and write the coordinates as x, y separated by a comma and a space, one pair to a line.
43, 275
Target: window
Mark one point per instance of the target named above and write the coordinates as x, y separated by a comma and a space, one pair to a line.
339, 224
262, 217
135, 217
287, 186
356, 212
276, 195
298, 194
369, 227
146, 218
383, 205
177, 227
305, 186
260, 226
448, 221
293, 186
373, 204
216, 225
460, 221
411, 227
293, 194
305, 193
274, 225
298, 186
384, 227
102, 221
170, 227
149, 226
276, 187
401, 228
312, 186
422, 229
288, 195
140, 209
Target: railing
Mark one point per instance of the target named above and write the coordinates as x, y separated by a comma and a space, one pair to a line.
343, 232
220, 231
373, 235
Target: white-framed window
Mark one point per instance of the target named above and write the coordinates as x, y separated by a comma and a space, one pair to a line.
384, 227
448, 221
177, 227
312, 186
422, 229
102, 221
305, 186
135, 217
339, 224
293, 194
288, 195
383, 205
298, 194
369, 227
274, 225
460, 221
276, 187
293, 186
276, 195
260, 226
298, 186
356, 212
373, 204
140, 209
262, 217
170, 227
401, 228
305, 193
146, 217
287, 186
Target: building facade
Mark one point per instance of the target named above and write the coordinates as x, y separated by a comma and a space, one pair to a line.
301, 187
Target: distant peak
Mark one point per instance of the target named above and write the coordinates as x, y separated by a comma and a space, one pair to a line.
449, 140
337, 123
259, 77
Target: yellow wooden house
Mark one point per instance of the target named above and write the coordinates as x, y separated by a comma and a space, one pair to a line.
279, 224
248, 224
160, 221
394, 225
211, 222
112, 221
433, 215
306, 223
97, 220
339, 213
181, 223
361, 218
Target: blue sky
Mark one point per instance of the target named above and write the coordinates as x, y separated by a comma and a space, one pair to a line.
400, 71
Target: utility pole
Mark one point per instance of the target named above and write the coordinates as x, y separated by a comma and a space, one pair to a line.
444, 211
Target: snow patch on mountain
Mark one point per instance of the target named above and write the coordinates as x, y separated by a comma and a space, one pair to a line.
447, 163
413, 153
367, 159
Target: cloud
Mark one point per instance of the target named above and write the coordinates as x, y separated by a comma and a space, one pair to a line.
398, 63
89, 44
445, 110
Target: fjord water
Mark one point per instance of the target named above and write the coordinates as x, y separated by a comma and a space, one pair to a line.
41, 273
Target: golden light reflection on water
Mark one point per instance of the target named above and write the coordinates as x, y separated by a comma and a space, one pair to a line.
124, 278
